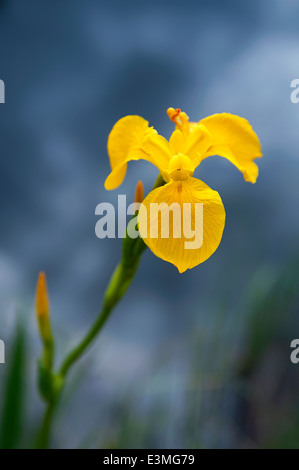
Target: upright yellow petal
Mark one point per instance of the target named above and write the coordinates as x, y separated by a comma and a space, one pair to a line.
192, 236
131, 138
194, 144
177, 141
233, 138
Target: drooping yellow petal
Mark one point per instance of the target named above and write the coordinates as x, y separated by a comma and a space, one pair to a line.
233, 138
158, 152
116, 177
124, 143
182, 222
131, 138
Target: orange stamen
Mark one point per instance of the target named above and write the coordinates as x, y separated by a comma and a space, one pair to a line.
180, 118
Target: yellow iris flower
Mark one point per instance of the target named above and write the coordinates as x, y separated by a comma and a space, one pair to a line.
227, 135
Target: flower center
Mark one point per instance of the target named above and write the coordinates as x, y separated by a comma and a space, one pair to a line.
180, 167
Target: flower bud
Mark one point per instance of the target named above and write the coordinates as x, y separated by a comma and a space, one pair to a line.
43, 308
139, 195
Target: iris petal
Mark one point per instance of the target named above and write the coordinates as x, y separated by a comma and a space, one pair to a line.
194, 144
173, 248
233, 138
131, 138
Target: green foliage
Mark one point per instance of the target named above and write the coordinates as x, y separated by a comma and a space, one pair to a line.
271, 300
14, 392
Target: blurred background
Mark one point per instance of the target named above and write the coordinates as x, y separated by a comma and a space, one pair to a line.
198, 360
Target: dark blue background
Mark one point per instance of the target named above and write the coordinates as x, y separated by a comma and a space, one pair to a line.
71, 69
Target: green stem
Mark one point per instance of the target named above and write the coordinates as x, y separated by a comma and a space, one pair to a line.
44, 433
48, 353
118, 285
159, 182
120, 281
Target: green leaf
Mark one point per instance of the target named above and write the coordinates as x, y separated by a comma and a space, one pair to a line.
13, 396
